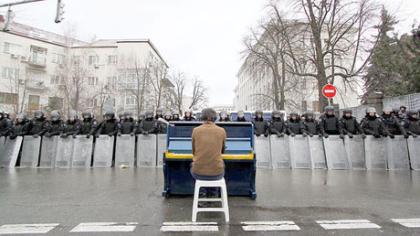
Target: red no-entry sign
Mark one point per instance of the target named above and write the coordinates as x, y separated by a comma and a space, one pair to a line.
329, 91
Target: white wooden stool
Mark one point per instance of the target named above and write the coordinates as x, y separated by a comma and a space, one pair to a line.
224, 198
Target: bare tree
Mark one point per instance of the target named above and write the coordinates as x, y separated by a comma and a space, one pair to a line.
180, 82
159, 82
199, 94
267, 51
340, 31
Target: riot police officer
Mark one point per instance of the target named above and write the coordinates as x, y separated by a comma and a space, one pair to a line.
350, 125
55, 126
88, 125
175, 116
127, 125
372, 125
21, 126
310, 125
159, 113
260, 126
72, 125
188, 116
392, 124
402, 114
109, 126
4, 124
224, 116
148, 125
241, 116
294, 125
329, 123
276, 125
162, 127
412, 123
38, 125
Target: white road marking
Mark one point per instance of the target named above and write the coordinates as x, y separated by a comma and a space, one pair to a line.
409, 223
189, 227
269, 226
347, 224
105, 227
27, 228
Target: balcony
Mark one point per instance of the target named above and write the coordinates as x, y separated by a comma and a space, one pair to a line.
37, 60
35, 85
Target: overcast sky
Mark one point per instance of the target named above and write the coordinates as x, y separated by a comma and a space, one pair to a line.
199, 37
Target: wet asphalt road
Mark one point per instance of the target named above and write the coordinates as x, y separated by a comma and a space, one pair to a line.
73, 196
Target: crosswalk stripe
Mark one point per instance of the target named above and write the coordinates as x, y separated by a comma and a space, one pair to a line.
409, 223
269, 225
347, 224
189, 227
104, 227
27, 228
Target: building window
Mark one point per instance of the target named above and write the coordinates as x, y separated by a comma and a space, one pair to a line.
112, 59
93, 81
55, 103
76, 60
327, 61
10, 73
58, 58
11, 48
8, 98
315, 106
130, 100
112, 82
93, 60
304, 105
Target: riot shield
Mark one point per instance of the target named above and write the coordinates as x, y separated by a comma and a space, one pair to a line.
48, 152
2, 147
397, 153
414, 150
11, 152
161, 148
299, 152
82, 151
355, 149
335, 153
30, 151
316, 150
375, 153
104, 151
125, 150
65, 149
280, 154
262, 151
146, 150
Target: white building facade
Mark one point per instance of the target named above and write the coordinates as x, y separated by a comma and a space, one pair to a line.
41, 70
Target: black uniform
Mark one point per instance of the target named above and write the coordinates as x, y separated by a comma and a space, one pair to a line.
147, 126
38, 126
127, 126
294, 126
393, 126
88, 125
109, 126
310, 125
71, 127
372, 125
260, 126
54, 128
20, 128
276, 126
412, 124
351, 126
330, 125
4, 125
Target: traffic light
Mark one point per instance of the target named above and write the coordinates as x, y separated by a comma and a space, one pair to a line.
60, 11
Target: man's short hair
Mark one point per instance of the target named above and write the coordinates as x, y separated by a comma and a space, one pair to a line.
208, 114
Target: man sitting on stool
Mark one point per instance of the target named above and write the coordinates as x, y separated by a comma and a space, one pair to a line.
208, 144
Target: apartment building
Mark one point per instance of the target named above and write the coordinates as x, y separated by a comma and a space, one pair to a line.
42, 70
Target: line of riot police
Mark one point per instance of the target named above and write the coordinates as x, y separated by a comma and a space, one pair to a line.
389, 123
39, 125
